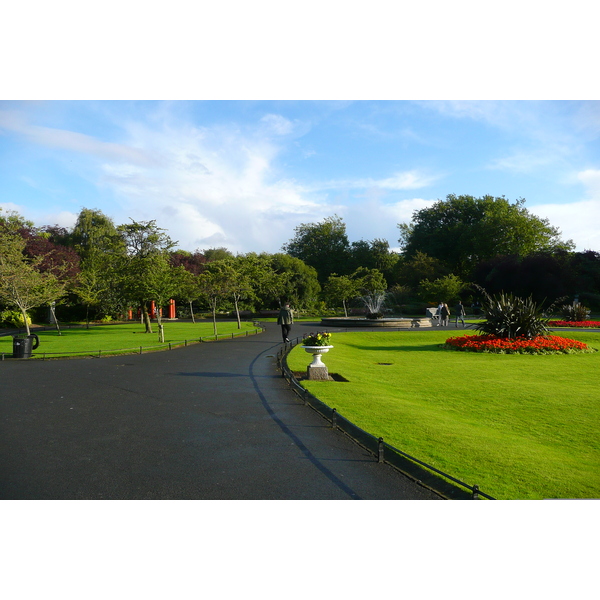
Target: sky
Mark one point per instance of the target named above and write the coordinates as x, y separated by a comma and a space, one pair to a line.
244, 174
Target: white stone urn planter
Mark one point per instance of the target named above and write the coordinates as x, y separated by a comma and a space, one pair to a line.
317, 351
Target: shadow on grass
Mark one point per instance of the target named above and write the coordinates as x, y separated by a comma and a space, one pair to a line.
403, 348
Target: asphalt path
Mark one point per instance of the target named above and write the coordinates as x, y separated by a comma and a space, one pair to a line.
209, 421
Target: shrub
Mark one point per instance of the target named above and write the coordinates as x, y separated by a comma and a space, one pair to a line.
574, 312
13, 318
508, 316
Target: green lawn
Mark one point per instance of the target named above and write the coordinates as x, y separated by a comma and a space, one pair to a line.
127, 337
518, 426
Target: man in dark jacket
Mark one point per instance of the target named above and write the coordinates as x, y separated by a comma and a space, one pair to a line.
460, 313
285, 319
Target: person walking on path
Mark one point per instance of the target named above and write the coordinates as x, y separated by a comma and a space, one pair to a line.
460, 313
438, 313
285, 319
444, 314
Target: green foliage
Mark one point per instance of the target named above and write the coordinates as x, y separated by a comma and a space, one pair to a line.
323, 246
22, 285
445, 289
341, 288
300, 281
575, 312
214, 254
508, 316
462, 231
13, 318
370, 281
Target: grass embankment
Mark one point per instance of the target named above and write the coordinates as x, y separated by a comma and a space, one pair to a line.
123, 338
519, 426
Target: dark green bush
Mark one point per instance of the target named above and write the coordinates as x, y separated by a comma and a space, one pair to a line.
508, 316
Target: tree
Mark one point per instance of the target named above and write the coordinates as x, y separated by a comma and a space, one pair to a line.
375, 254
22, 285
372, 287
412, 270
445, 289
543, 276
241, 286
12, 222
214, 254
323, 246
94, 233
300, 284
146, 263
102, 250
462, 231
194, 263
268, 287
341, 288
216, 285
370, 281
160, 282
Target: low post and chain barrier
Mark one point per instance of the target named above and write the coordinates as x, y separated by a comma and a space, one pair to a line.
416, 469
259, 328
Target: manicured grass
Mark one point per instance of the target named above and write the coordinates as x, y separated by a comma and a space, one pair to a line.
519, 426
128, 337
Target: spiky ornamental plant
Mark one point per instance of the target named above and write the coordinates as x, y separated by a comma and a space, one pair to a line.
575, 312
509, 316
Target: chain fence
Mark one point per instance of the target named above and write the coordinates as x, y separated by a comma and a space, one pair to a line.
427, 475
259, 328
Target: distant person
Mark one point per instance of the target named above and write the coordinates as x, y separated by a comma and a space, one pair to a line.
460, 313
439, 313
444, 314
285, 319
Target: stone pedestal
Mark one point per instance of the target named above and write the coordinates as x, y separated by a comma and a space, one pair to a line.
317, 370
319, 373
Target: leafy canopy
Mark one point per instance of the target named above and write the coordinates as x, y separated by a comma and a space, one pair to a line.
462, 231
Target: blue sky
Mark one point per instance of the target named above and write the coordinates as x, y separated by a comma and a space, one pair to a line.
244, 174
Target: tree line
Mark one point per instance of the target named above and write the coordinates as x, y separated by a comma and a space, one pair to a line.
99, 270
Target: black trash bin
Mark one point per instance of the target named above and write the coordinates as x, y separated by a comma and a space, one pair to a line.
22, 346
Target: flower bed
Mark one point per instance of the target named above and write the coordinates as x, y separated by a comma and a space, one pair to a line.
550, 344
322, 338
574, 324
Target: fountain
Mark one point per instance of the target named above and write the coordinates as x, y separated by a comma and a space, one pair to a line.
374, 318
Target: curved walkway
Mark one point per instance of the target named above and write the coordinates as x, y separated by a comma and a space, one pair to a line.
210, 421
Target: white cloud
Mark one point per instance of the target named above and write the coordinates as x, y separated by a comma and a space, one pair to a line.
41, 217
591, 179
374, 219
73, 141
523, 162
277, 124
578, 220
406, 180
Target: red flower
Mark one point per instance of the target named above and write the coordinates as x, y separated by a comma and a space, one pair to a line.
537, 345
574, 323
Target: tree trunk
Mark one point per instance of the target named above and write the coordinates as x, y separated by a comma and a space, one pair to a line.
55, 319
237, 312
192, 311
146, 318
214, 312
24, 313
345, 309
